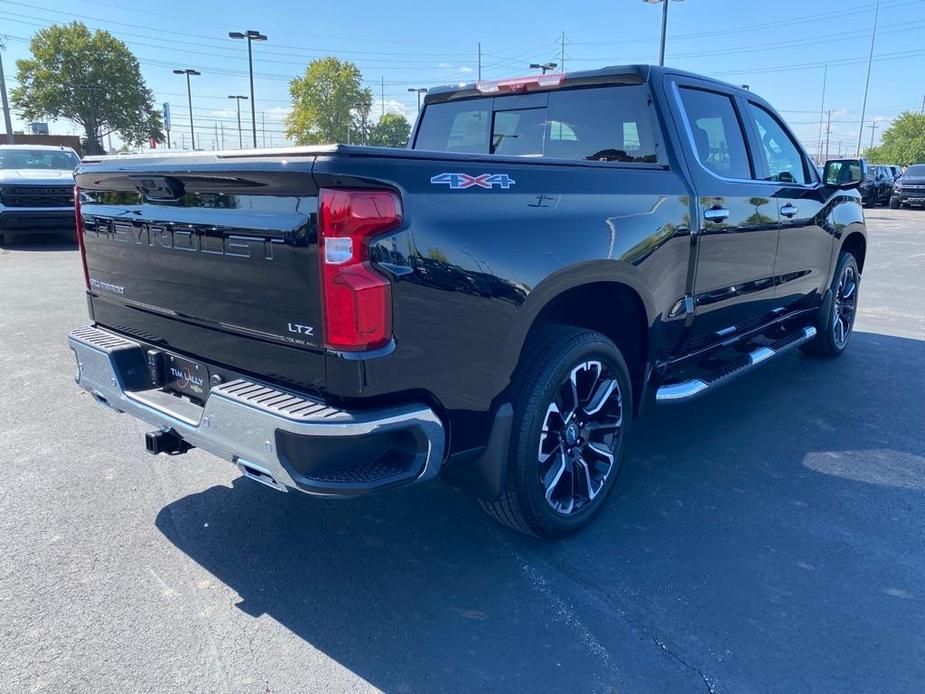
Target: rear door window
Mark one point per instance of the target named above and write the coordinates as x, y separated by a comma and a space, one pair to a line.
593, 124
717, 134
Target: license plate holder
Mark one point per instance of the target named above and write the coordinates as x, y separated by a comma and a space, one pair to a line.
186, 376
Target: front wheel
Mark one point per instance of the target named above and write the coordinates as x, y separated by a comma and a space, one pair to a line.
572, 409
895, 204
838, 321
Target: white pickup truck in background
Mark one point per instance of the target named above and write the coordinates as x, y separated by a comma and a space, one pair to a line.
36, 189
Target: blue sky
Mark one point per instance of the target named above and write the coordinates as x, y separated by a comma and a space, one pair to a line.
778, 47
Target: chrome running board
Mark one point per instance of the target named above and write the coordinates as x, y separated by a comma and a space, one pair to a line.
691, 388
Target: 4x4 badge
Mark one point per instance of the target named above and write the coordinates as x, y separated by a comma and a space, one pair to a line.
460, 181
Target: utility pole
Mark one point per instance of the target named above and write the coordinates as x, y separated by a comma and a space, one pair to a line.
562, 52
828, 133
825, 76
382, 92
873, 128
480, 71
263, 127
870, 60
182, 140
7, 119
215, 125
222, 131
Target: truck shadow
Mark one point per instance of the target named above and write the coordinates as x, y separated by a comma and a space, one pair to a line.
756, 538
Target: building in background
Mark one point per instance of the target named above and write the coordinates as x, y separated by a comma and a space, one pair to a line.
72, 141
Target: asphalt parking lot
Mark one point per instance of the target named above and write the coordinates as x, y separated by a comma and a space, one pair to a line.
768, 538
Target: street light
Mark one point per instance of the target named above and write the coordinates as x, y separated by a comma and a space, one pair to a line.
189, 97
418, 91
543, 66
664, 4
250, 35
237, 98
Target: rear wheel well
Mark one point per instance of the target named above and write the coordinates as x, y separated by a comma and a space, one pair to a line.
610, 308
856, 245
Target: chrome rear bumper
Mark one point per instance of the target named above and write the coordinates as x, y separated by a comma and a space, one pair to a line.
282, 438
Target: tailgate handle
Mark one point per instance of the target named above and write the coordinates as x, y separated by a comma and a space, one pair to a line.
159, 187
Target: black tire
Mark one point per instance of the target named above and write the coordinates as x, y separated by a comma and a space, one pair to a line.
895, 204
556, 358
836, 324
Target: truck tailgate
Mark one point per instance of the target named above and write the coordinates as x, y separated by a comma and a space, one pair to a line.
224, 247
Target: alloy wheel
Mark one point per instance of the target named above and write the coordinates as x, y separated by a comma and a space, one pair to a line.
581, 432
845, 307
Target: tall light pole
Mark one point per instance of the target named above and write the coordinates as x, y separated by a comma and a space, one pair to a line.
189, 98
870, 59
418, 91
237, 99
664, 4
250, 35
545, 67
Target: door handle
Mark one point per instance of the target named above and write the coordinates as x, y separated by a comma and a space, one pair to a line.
716, 214
789, 211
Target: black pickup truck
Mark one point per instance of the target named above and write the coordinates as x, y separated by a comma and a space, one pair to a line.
492, 305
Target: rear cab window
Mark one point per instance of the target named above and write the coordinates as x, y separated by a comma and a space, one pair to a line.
603, 124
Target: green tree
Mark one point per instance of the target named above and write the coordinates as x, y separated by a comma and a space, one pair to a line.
903, 142
392, 130
327, 100
91, 79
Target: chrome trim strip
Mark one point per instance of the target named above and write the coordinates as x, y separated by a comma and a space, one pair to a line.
680, 391
760, 354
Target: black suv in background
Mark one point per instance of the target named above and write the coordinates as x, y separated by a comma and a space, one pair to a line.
877, 185
910, 189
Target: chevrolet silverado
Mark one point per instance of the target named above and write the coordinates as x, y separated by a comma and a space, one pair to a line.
492, 305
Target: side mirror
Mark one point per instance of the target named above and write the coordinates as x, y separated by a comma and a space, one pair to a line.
843, 173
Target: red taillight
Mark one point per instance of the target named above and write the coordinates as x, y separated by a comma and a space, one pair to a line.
520, 84
78, 219
357, 300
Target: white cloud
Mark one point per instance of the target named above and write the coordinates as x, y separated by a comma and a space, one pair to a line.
393, 106
444, 65
466, 68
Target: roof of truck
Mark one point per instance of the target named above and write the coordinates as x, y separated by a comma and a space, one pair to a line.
612, 74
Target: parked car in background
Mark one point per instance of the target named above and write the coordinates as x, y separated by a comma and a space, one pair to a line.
910, 189
877, 185
36, 189
896, 170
